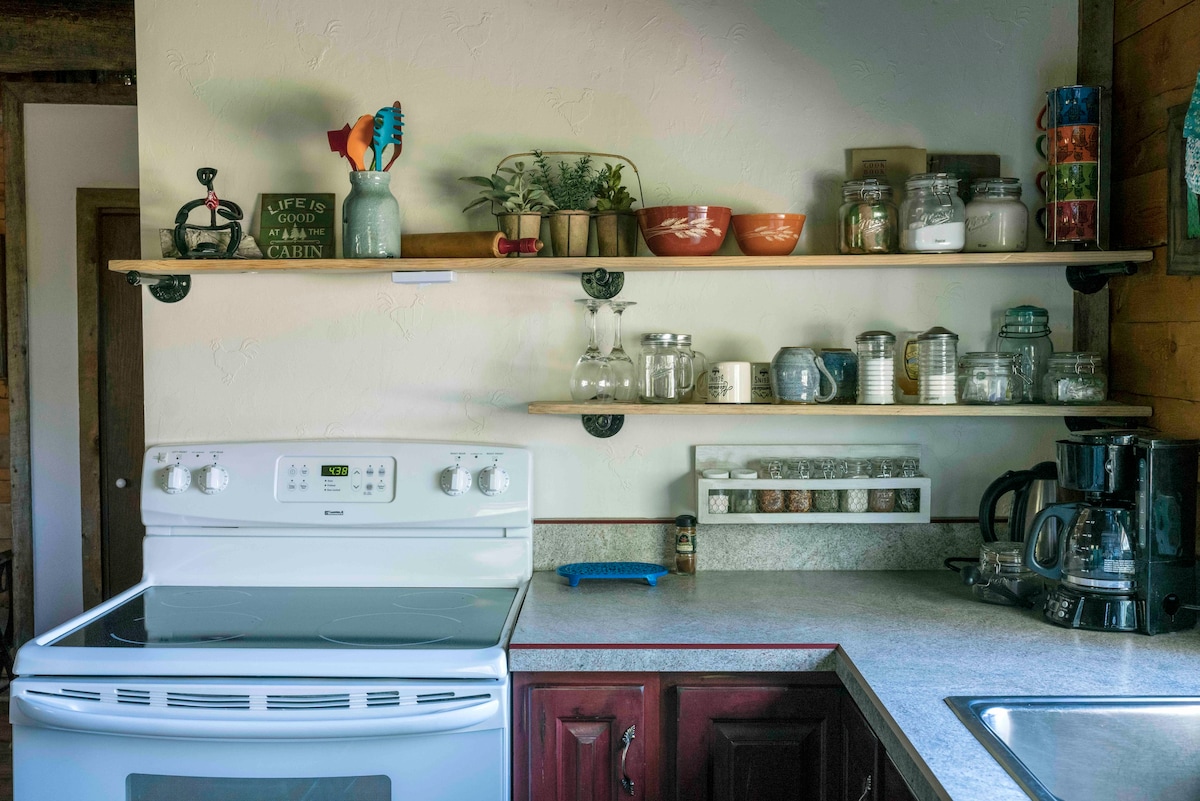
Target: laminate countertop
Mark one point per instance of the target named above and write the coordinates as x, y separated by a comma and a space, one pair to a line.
901, 641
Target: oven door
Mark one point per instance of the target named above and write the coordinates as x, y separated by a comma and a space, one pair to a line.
146, 740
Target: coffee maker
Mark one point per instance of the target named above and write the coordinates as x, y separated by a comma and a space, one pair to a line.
1126, 554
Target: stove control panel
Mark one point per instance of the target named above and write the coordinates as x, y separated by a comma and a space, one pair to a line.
342, 479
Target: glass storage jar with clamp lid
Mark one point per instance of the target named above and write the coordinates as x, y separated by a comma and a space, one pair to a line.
867, 219
1026, 333
997, 220
933, 218
1075, 378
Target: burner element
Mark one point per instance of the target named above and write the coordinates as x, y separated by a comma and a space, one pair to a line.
185, 628
438, 600
390, 629
199, 599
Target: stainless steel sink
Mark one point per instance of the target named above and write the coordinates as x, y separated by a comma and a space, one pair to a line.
1126, 748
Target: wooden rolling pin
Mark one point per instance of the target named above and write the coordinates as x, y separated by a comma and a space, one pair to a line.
464, 245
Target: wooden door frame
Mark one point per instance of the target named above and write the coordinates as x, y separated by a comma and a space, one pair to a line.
15, 96
89, 204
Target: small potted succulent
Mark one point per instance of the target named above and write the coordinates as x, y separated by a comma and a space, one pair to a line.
522, 199
616, 224
572, 189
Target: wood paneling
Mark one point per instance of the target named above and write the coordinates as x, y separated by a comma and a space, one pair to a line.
1171, 415
1140, 210
61, 35
1152, 296
1133, 15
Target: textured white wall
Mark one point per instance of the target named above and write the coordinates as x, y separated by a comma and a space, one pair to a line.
747, 104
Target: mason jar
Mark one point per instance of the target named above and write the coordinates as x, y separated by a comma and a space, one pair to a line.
666, 368
867, 219
997, 220
933, 218
1026, 333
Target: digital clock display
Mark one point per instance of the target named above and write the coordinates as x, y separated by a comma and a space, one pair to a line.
335, 470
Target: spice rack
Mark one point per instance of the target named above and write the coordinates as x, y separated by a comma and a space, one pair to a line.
740, 456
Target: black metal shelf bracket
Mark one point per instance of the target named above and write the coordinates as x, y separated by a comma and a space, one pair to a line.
603, 426
1091, 279
166, 288
602, 284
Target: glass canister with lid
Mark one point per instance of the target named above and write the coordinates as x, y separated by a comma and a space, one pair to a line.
668, 368
771, 500
1003, 576
933, 218
1075, 378
718, 499
742, 501
876, 367
798, 501
988, 377
883, 499
856, 501
908, 499
825, 500
867, 219
997, 220
1026, 334
937, 364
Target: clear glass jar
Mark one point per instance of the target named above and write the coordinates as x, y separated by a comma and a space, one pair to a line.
908, 499
997, 220
856, 501
883, 499
668, 368
1075, 378
718, 499
742, 501
798, 501
988, 377
825, 500
867, 219
876, 367
1026, 332
1003, 576
771, 500
933, 218
937, 361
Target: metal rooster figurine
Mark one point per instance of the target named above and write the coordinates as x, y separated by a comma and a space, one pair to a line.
225, 209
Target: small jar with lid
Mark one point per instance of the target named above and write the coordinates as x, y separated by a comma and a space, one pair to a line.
1004, 578
668, 368
825, 500
685, 545
1026, 333
908, 499
883, 499
742, 501
771, 500
997, 220
718, 499
799, 500
933, 218
867, 219
988, 377
876, 367
856, 501
1075, 378
937, 360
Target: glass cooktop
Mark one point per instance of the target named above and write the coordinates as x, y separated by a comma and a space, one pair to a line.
301, 617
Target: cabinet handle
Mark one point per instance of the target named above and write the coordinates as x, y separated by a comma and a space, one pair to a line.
626, 739
866, 788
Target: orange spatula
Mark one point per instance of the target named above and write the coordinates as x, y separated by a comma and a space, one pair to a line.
360, 141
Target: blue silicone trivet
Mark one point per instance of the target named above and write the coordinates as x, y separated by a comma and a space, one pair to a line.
612, 570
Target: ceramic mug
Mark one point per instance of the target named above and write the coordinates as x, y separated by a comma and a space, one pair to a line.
760, 382
796, 377
729, 382
1070, 105
1069, 221
842, 364
1070, 143
1076, 181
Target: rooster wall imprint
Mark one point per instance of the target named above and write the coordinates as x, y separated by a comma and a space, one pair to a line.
407, 317
194, 73
575, 111
314, 46
231, 362
474, 35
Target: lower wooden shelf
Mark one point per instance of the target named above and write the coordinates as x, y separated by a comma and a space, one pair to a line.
1119, 410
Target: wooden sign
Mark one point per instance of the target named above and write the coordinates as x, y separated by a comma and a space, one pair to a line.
295, 226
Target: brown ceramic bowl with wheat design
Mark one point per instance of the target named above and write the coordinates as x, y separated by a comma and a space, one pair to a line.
767, 234
684, 230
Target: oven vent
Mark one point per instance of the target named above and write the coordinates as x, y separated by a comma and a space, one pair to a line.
139, 697
181, 698
208, 701
384, 698
331, 701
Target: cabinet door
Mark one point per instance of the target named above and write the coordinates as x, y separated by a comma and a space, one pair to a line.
754, 743
582, 743
892, 786
860, 755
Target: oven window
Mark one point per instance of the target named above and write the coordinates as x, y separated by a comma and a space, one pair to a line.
146, 787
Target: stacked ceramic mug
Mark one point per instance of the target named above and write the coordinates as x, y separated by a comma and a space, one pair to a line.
876, 367
1071, 147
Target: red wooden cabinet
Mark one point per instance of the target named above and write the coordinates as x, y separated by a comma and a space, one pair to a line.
868, 772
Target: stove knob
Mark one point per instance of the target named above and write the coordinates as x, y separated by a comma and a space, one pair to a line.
493, 480
176, 479
456, 480
213, 479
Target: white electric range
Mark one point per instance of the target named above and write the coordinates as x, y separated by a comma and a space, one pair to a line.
317, 620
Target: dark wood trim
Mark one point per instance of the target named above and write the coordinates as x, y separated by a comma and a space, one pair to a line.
58, 36
88, 205
15, 97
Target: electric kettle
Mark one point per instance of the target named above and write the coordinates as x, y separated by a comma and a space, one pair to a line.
1033, 490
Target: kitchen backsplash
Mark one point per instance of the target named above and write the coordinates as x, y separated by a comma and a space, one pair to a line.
904, 546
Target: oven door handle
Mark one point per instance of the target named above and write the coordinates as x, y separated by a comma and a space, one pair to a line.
239, 724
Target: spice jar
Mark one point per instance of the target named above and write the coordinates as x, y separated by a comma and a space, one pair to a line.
1026, 332
825, 500
988, 377
876, 367
937, 362
867, 219
933, 218
1075, 378
742, 501
883, 499
685, 545
997, 220
718, 499
856, 501
798, 501
908, 499
771, 500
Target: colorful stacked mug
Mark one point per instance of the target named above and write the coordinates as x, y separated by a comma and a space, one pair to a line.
1071, 147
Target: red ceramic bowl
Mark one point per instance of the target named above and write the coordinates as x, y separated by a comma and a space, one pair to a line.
684, 230
767, 234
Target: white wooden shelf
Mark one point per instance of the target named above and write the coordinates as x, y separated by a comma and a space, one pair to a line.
632, 264
1111, 409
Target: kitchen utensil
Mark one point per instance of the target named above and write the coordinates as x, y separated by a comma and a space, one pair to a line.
388, 130
577, 571
464, 245
592, 378
684, 230
359, 140
338, 140
767, 234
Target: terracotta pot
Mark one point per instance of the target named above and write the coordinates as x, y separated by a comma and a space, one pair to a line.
569, 231
684, 230
616, 233
526, 225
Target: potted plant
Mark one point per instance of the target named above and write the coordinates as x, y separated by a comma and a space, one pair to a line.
616, 224
521, 197
572, 188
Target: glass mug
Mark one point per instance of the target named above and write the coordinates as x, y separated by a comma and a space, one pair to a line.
668, 369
